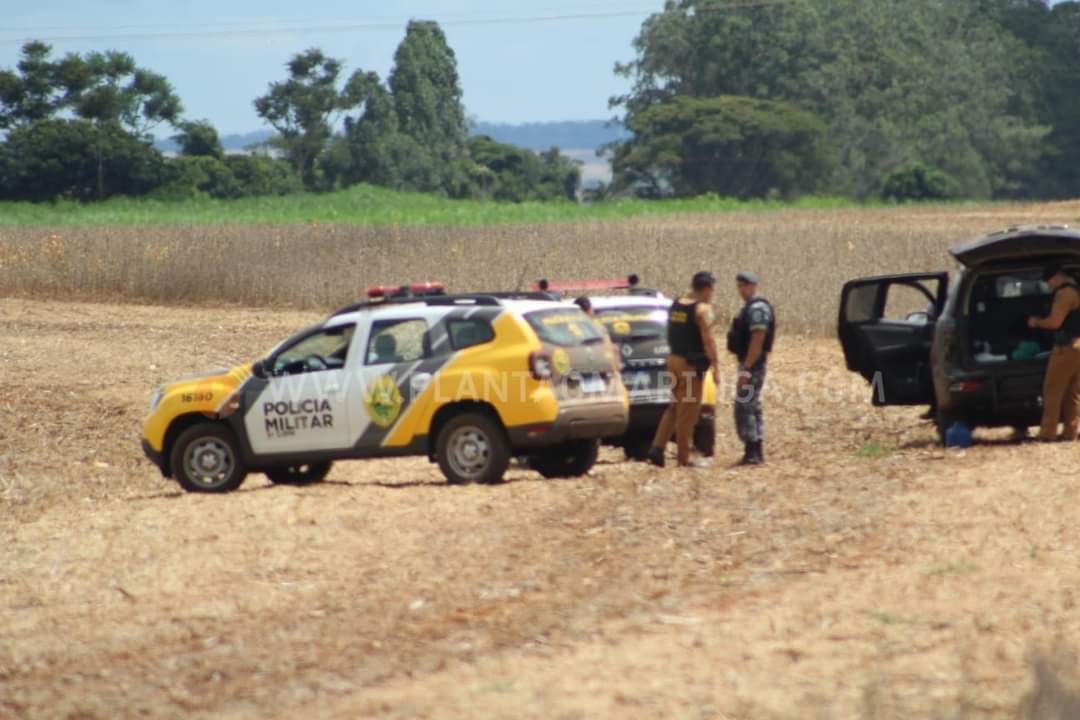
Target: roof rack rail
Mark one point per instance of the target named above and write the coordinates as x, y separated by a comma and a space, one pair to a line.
485, 299
632, 284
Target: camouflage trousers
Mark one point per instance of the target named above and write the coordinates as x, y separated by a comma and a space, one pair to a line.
749, 418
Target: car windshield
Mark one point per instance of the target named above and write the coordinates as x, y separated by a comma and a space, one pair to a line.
566, 326
633, 323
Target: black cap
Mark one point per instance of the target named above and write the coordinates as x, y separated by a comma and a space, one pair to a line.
703, 279
1051, 270
748, 278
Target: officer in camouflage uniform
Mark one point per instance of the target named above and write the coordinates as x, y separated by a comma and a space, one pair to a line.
750, 339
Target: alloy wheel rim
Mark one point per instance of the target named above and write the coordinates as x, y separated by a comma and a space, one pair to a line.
469, 452
209, 461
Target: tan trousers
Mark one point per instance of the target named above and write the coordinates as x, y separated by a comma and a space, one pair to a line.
1061, 394
682, 414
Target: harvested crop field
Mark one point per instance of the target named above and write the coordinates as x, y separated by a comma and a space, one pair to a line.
864, 573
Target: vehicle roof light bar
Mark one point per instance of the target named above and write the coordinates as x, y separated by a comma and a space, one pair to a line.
628, 283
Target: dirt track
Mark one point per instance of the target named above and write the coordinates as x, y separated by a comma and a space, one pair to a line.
864, 573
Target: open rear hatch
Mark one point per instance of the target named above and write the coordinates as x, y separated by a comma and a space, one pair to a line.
1038, 244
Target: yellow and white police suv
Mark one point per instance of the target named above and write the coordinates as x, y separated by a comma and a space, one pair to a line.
467, 380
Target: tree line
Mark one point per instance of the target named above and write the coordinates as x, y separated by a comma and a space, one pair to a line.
925, 99
79, 127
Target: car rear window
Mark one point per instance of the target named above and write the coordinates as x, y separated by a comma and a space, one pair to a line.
566, 326
633, 323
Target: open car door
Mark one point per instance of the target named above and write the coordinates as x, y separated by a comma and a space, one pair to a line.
886, 328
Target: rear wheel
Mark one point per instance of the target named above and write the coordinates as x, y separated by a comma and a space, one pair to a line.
205, 458
299, 474
472, 447
571, 459
705, 436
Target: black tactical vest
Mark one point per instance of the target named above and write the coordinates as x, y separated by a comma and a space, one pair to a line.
738, 337
684, 335
1070, 328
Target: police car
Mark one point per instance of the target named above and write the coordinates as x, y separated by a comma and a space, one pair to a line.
467, 380
636, 321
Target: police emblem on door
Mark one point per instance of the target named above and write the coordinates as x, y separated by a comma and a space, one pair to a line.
383, 401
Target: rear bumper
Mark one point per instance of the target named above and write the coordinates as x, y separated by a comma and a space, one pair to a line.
585, 422
1007, 400
155, 457
646, 416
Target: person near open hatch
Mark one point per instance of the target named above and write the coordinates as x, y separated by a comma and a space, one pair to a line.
692, 352
750, 340
1061, 386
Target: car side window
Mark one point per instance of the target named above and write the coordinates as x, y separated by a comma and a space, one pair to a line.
469, 333
396, 341
861, 304
327, 349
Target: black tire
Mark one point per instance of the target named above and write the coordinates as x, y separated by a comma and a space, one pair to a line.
705, 436
472, 447
206, 459
299, 474
636, 446
569, 460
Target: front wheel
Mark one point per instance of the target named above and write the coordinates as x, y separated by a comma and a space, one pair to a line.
472, 448
205, 458
636, 446
569, 460
299, 474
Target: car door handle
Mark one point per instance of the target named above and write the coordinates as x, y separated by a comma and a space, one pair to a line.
333, 389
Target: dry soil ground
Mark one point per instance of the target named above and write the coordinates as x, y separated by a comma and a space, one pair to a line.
863, 573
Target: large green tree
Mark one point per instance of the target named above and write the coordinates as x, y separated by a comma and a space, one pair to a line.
939, 83
119, 92
734, 146
304, 107
40, 86
75, 159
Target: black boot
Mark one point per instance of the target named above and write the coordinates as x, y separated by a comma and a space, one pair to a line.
755, 454
656, 456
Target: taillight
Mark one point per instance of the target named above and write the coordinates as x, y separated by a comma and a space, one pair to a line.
966, 386
540, 365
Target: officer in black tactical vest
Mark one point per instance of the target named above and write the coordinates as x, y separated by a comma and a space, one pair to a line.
693, 352
750, 339
1061, 385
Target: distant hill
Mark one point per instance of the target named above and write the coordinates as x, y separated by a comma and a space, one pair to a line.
235, 142
565, 135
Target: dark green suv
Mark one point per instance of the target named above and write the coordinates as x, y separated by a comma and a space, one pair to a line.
961, 345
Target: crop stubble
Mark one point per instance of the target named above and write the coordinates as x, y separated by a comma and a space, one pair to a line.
831, 584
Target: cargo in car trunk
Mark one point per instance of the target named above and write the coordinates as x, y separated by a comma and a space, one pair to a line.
998, 307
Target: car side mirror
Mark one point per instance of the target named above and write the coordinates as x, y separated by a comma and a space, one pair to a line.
258, 369
918, 318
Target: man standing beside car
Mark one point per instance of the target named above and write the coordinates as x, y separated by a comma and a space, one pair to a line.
692, 353
1061, 387
750, 339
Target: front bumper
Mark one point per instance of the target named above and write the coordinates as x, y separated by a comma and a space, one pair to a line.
155, 457
584, 422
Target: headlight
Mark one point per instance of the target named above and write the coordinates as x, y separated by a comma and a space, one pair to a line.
155, 399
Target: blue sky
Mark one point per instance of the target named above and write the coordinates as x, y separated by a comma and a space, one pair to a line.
519, 60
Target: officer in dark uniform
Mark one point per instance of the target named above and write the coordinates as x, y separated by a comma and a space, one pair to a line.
1061, 386
750, 339
692, 353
